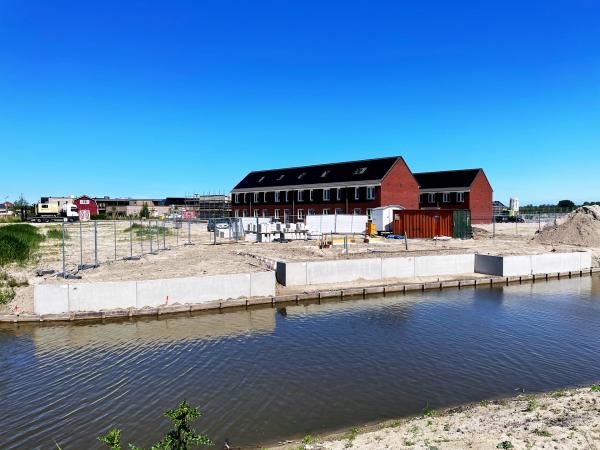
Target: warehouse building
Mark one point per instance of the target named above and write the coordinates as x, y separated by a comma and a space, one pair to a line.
457, 189
354, 187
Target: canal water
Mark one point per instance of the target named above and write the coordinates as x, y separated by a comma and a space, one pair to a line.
264, 375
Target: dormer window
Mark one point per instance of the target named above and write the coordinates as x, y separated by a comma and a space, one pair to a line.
280, 177
325, 173
301, 175
360, 171
260, 180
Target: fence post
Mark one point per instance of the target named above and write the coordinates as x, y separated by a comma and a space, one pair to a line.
64, 272
141, 238
95, 243
115, 227
157, 234
80, 245
177, 232
539, 222
164, 234
151, 239
493, 226
130, 238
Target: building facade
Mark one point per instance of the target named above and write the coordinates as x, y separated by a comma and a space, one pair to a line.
86, 207
354, 187
457, 189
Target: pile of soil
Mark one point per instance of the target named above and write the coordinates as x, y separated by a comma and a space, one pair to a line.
581, 227
480, 233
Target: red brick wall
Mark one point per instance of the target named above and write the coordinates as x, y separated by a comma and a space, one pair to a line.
480, 200
399, 187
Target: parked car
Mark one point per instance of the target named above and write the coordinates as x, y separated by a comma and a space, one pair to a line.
221, 223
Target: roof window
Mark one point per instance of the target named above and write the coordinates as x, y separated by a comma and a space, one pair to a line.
280, 177
360, 171
261, 179
301, 175
325, 173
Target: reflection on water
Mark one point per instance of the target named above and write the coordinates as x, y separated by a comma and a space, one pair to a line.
266, 374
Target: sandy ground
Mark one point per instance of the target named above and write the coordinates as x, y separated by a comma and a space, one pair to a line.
204, 258
568, 419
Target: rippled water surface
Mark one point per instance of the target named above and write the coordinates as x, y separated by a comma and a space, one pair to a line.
263, 375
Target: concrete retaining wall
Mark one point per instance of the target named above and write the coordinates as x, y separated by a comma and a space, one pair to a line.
518, 265
63, 298
339, 271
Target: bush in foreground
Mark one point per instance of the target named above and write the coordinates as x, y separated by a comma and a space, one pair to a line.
18, 243
180, 437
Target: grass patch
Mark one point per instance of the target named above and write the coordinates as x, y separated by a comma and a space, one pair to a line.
559, 394
18, 243
595, 388
147, 231
56, 233
351, 436
505, 445
532, 404
10, 219
428, 412
7, 287
543, 433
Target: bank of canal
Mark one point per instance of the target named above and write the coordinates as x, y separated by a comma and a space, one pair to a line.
264, 375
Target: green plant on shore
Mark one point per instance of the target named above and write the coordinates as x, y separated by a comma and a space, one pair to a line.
505, 445
351, 436
18, 243
595, 388
559, 394
180, 437
532, 404
429, 412
543, 433
308, 440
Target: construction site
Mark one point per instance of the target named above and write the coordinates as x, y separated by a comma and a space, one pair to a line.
123, 251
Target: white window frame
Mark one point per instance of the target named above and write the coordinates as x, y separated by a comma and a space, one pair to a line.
460, 197
277, 195
256, 197
84, 202
357, 211
300, 214
310, 195
338, 194
325, 211
446, 197
300, 195
256, 211
310, 212
357, 193
236, 213
265, 212
277, 213
286, 214
431, 197
370, 192
236, 198
287, 196
326, 195
244, 213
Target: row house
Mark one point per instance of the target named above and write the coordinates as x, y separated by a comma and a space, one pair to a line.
457, 189
353, 187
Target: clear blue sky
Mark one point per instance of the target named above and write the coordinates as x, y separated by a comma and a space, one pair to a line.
165, 98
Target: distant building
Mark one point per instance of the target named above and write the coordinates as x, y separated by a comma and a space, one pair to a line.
457, 189
6, 209
354, 187
499, 208
60, 200
86, 207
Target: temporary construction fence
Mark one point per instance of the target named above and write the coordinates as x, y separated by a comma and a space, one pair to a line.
336, 223
86, 245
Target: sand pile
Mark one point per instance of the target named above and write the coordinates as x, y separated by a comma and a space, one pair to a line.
581, 227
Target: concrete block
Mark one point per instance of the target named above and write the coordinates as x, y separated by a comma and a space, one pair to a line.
262, 284
50, 298
444, 265
102, 295
339, 271
398, 267
489, 264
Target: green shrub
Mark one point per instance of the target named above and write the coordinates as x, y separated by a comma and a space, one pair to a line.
595, 388
18, 243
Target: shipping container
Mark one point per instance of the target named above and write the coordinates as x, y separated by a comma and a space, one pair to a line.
419, 223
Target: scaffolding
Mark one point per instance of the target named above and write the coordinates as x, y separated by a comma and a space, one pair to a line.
208, 206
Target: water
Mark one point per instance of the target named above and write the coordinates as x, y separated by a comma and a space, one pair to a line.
263, 375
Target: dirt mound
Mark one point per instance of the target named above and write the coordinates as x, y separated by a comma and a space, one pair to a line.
480, 233
581, 227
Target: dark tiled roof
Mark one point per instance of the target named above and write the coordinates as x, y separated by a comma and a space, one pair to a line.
343, 172
447, 179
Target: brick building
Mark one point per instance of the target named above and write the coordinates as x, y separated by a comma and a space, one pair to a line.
457, 189
354, 187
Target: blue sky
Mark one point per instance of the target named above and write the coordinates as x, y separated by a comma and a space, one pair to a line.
157, 99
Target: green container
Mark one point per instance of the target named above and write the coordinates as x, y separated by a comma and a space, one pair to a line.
462, 224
